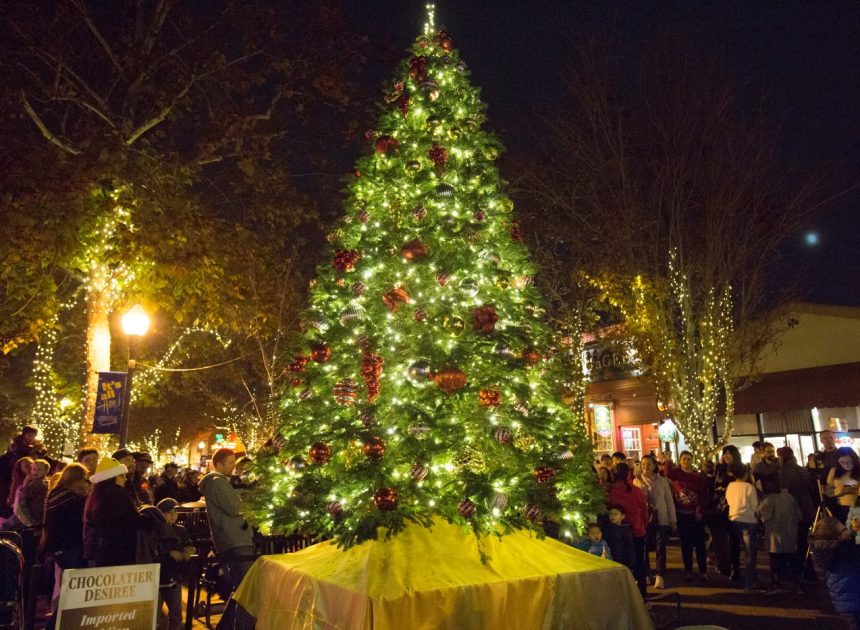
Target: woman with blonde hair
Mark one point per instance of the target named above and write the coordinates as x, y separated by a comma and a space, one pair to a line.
62, 536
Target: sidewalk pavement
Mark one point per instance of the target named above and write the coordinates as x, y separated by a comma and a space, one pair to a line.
724, 604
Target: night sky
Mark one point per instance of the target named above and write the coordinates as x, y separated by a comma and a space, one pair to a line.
804, 56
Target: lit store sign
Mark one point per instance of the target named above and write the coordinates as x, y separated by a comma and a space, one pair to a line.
602, 420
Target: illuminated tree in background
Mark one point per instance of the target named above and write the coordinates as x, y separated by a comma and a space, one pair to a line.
683, 329
428, 383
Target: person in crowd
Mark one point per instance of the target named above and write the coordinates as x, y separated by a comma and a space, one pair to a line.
111, 520
661, 510
690, 489
125, 457
231, 534
139, 481
30, 508
167, 487
617, 458
622, 492
768, 464
170, 545
596, 546
796, 480
757, 455
188, 490
604, 477
779, 512
837, 556
89, 458
742, 499
828, 455
619, 537
724, 540
62, 535
810, 462
24, 444
19, 475
843, 482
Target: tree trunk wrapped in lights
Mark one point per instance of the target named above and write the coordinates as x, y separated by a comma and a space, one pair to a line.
684, 332
472, 417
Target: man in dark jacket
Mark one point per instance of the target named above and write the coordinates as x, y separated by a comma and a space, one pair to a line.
23, 445
167, 487
140, 484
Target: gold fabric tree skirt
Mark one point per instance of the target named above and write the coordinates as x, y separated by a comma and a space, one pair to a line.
434, 578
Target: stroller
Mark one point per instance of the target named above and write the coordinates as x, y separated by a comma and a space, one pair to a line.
11, 581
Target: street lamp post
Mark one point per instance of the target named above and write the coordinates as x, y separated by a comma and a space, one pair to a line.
135, 323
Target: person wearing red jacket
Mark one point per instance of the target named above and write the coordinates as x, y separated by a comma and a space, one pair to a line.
690, 488
632, 499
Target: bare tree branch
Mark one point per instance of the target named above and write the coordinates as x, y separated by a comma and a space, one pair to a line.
53, 139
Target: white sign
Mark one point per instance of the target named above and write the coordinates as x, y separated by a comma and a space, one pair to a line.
109, 598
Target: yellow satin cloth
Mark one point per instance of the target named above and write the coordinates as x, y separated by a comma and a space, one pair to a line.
433, 578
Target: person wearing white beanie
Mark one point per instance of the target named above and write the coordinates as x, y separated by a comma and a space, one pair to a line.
110, 518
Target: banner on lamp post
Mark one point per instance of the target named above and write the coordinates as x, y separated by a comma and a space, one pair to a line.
109, 398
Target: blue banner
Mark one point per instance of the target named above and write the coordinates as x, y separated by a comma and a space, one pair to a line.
108, 418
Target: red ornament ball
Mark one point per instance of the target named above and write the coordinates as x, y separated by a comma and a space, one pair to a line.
484, 319
321, 353
320, 453
466, 508
419, 213
345, 259
335, 508
363, 216
419, 315
438, 154
480, 215
385, 499
359, 288
418, 68
531, 356
374, 447
544, 474
414, 250
386, 145
490, 398
395, 297
444, 41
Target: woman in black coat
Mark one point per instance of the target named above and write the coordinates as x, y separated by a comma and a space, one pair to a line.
111, 520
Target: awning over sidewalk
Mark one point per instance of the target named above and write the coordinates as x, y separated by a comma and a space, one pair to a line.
827, 386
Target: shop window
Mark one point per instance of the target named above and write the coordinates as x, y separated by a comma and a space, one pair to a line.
603, 444
631, 438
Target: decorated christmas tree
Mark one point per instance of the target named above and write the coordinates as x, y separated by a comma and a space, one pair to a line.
430, 383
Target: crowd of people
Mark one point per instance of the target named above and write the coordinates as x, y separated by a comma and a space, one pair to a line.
113, 510
107, 511
733, 509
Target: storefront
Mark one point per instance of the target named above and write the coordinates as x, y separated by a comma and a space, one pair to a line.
811, 382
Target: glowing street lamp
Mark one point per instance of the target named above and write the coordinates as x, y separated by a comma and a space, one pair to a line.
135, 323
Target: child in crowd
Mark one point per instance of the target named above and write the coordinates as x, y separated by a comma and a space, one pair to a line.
30, 507
779, 512
170, 545
619, 537
596, 545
